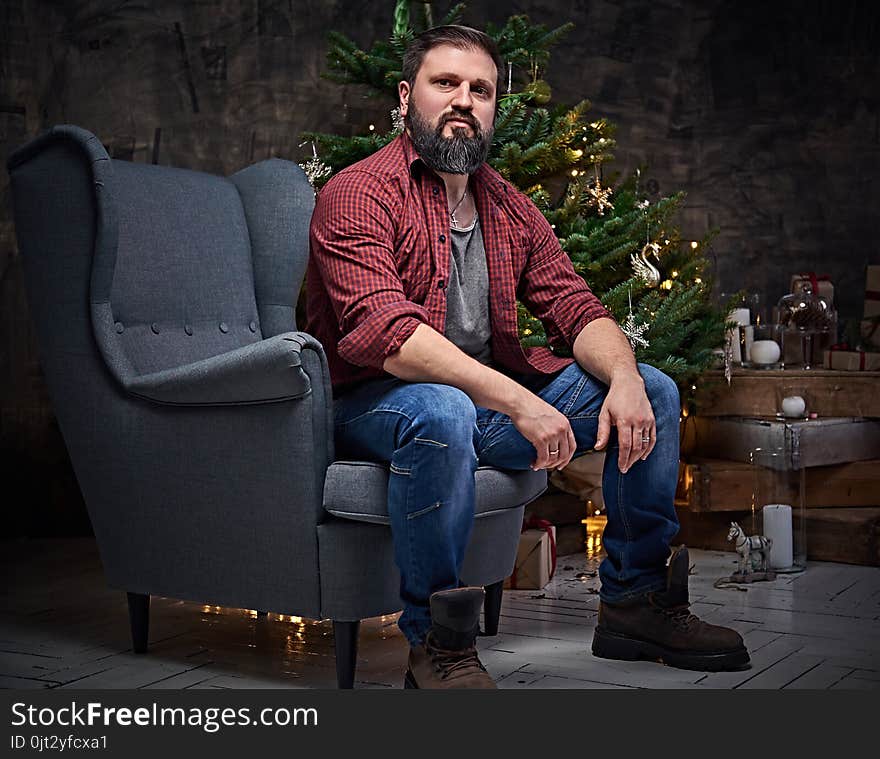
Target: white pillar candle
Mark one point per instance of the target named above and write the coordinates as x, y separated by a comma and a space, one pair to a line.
777, 527
749, 332
741, 316
733, 337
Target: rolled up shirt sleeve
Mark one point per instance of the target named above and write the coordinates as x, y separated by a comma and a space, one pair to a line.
351, 240
552, 290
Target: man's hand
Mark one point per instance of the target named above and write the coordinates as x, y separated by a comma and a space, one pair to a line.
548, 430
627, 407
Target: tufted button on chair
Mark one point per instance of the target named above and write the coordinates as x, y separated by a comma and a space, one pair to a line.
197, 418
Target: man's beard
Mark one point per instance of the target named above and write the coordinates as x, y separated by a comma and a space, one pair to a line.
459, 154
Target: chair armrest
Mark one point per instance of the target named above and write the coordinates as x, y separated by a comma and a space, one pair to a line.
265, 372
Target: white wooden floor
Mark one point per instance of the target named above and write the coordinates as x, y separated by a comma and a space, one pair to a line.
60, 627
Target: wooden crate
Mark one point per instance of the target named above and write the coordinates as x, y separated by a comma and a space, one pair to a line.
753, 392
717, 485
804, 443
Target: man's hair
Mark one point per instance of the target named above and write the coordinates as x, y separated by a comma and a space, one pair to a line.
462, 37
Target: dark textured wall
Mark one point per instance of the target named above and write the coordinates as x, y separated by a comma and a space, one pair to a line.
767, 114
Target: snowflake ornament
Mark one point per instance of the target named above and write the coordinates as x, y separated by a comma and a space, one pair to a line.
600, 196
315, 169
634, 331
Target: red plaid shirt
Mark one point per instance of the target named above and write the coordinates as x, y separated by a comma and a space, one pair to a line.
379, 263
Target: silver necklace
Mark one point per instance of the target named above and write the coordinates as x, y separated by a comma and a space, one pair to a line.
452, 218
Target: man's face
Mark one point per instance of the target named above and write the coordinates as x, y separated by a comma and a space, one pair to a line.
450, 109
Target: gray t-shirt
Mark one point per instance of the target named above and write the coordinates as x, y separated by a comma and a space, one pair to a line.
467, 294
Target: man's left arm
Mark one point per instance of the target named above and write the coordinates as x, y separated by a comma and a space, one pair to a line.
574, 316
604, 351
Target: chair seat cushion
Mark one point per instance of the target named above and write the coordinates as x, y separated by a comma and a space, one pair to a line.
358, 490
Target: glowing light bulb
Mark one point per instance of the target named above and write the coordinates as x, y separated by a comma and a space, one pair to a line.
695, 244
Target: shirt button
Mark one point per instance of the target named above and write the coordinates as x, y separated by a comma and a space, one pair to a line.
441, 285
120, 328
442, 238
252, 326
155, 328
188, 329
223, 328
435, 190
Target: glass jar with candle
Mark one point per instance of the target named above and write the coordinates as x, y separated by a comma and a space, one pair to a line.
766, 352
779, 507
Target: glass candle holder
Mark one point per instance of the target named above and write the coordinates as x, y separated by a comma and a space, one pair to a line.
807, 321
766, 351
779, 507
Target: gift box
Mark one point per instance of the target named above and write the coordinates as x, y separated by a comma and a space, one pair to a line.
872, 291
869, 332
820, 284
852, 361
535, 558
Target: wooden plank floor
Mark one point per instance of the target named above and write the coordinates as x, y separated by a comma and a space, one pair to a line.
60, 627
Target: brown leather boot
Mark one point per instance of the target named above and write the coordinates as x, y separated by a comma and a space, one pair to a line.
660, 626
448, 659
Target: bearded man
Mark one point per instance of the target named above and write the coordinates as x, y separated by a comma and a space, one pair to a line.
418, 255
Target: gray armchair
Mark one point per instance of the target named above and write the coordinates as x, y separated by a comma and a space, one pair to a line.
197, 418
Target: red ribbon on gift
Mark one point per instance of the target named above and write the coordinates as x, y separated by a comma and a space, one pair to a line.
845, 347
815, 279
534, 523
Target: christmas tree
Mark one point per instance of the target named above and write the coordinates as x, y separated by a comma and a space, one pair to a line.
628, 250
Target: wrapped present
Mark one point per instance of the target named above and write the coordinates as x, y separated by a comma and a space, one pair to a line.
535, 556
869, 332
850, 360
583, 478
872, 291
820, 284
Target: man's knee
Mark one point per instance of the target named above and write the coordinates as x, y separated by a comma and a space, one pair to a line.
446, 416
661, 391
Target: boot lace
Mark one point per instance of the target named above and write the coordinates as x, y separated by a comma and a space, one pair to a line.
680, 616
446, 663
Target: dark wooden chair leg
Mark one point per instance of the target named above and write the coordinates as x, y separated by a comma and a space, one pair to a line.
492, 607
345, 639
139, 617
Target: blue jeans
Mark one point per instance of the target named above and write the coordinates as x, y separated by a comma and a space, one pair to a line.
433, 436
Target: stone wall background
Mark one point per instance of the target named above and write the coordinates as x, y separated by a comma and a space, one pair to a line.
766, 114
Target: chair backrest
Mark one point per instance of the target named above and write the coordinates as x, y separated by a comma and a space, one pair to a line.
183, 282
113, 234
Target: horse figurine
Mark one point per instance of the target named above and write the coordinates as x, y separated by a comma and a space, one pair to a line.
753, 550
